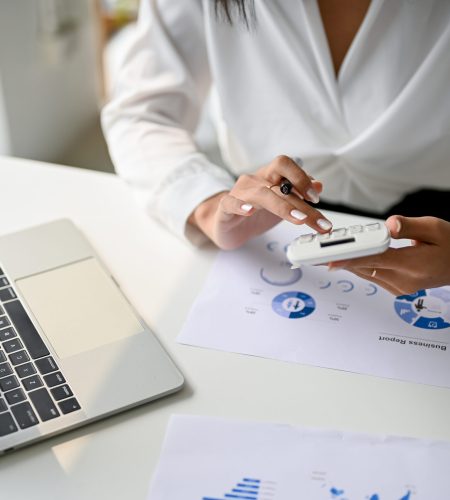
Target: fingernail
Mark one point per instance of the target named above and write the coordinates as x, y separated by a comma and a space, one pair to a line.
298, 215
324, 224
399, 225
246, 207
313, 195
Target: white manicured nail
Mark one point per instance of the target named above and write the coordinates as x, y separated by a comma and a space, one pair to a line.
313, 195
324, 224
399, 226
246, 207
298, 215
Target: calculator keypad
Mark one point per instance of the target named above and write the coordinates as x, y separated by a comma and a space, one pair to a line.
338, 233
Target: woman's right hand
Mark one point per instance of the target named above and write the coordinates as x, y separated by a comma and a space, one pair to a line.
255, 204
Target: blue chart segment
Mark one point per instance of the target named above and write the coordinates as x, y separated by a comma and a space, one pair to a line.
340, 495
246, 489
428, 309
293, 305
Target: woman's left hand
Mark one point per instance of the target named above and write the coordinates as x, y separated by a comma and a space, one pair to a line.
425, 264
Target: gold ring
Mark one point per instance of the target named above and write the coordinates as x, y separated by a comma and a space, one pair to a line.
270, 187
374, 273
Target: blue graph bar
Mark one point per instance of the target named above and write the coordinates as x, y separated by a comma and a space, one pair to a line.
249, 492
229, 495
248, 480
242, 485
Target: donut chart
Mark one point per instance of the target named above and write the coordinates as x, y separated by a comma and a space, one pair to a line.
427, 309
293, 304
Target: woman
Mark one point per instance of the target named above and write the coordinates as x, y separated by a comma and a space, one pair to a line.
358, 89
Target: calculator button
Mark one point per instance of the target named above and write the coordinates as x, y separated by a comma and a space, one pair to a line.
338, 233
305, 238
355, 229
373, 227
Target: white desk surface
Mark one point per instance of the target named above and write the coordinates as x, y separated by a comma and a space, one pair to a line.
161, 275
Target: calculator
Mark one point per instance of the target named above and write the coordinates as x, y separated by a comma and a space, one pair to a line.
342, 243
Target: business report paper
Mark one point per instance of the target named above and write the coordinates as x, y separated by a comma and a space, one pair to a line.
254, 303
218, 459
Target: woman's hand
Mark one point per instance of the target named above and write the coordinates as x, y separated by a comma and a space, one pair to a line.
255, 204
425, 264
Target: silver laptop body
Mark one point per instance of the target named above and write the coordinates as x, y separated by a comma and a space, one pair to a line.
72, 349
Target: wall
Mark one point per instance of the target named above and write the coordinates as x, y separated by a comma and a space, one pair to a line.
48, 76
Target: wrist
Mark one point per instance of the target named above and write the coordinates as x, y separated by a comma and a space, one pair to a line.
202, 217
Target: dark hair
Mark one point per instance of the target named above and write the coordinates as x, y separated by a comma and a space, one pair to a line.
243, 8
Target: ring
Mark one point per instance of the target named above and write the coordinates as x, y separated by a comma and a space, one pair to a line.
374, 273
285, 186
270, 187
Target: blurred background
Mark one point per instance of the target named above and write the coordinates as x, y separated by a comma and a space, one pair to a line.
58, 59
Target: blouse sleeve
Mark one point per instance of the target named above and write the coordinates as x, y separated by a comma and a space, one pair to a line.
157, 101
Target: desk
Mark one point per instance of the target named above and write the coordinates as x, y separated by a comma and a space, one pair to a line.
115, 458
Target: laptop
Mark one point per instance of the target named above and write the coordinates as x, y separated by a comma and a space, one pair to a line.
72, 349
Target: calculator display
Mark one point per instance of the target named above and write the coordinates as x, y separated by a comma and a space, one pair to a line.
336, 242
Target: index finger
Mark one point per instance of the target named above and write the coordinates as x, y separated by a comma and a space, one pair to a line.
284, 167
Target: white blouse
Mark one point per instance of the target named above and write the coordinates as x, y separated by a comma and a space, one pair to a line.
378, 131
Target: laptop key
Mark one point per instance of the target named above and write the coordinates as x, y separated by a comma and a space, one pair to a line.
44, 404
5, 369
69, 405
46, 365
19, 357
31, 383
3, 406
2, 356
4, 281
12, 345
25, 415
4, 322
7, 294
25, 370
7, 425
8, 383
7, 333
15, 396
61, 392
54, 379
26, 329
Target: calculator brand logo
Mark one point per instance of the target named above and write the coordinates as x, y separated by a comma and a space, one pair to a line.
249, 489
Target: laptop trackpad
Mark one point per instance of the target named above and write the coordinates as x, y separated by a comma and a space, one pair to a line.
79, 307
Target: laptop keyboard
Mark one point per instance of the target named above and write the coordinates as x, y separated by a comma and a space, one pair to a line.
32, 388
